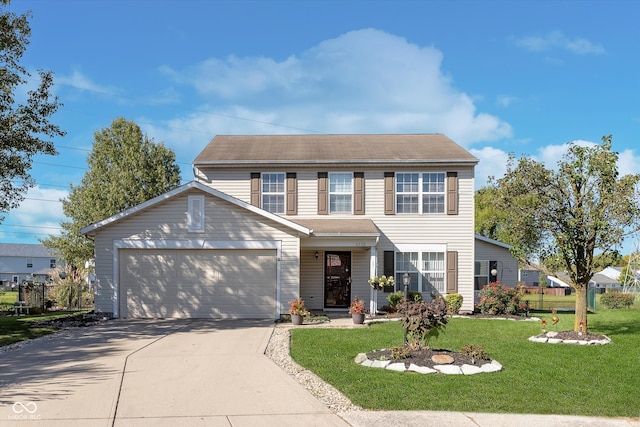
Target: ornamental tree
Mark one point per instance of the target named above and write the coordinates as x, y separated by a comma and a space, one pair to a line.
569, 213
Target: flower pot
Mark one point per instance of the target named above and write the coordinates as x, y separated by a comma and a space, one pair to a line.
296, 319
358, 318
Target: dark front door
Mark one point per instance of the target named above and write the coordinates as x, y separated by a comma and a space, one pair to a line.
337, 279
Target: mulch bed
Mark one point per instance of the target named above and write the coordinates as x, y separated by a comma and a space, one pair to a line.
422, 357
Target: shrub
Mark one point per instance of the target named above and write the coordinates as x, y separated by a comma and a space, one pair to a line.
617, 300
496, 299
475, 351
423, 320
394, 298
454, 302
415, 296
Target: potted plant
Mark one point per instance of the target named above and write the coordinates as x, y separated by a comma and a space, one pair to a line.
357, 311
297, 311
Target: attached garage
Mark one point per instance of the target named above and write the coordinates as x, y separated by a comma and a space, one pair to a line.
197, 283
195, 252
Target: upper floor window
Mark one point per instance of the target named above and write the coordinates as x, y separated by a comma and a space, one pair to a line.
340, 192
420, 192
52, 263
273, 192
29, 262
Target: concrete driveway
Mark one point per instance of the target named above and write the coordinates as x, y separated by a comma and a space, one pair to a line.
154, 373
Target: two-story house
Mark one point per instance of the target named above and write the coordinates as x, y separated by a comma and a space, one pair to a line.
269, 218
23, 262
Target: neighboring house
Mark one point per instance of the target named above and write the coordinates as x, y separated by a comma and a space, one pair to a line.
271, 218
530, 277
21, 263
493, 263
612, 272
604, 283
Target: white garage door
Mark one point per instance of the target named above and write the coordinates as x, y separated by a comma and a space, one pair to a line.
197, 283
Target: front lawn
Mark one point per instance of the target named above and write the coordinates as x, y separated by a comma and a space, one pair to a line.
537, 378
20, 328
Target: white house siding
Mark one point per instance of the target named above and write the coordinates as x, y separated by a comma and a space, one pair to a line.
455, 231
507, 264
167, 222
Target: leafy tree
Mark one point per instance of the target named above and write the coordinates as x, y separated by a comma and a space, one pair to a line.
25, 130
569, 213
126, 168
489, 220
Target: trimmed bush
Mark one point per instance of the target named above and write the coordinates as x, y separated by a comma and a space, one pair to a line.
394, 298
495, 299
617, 300
454, 302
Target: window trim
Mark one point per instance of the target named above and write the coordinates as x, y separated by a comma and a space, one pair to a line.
195, 218
332, 193
282, 194
420, 193
29, 262
417, 269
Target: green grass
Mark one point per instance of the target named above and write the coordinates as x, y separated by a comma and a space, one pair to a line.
551, 301
20, 328
537, 378
7, 299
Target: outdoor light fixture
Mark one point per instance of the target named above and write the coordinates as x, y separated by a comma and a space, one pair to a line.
317, 255
494, 272
406, 280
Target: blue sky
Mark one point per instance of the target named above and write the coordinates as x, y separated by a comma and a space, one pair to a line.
497, 77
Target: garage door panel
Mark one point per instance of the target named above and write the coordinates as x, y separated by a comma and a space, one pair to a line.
198, 283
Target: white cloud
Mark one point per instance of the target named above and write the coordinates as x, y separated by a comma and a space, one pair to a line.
80, 81
40, 208
506, 100
557, 40
365, 81
493, 162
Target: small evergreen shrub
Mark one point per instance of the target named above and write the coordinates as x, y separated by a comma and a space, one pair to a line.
454, 302
496, 299
617, 300
394, 298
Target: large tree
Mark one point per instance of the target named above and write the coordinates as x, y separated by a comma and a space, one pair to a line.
126, 168
25, 129
571, 214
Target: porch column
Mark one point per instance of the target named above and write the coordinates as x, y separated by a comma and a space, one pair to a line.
373, 268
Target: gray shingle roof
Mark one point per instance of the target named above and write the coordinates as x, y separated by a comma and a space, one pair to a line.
24, 250
403, 149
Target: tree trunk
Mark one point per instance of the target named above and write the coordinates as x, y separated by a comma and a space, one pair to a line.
581, 309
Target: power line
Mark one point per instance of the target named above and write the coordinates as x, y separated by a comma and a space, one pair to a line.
30, 226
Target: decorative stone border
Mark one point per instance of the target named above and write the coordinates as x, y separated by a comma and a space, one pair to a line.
450, 369
550, 338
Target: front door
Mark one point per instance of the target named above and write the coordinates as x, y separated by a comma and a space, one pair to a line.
337, 279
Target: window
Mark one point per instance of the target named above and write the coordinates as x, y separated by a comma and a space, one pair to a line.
29, 262
340, 192
426, 268
195, 217
273, 192
420, 192
480, 275
52, 263
433, 272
